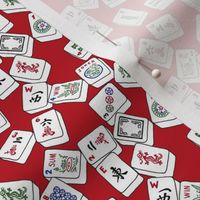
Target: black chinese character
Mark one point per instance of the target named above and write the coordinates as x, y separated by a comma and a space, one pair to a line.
46, 121
91, 146
117, 172
2, 80
37, 97
165, 195
18, 140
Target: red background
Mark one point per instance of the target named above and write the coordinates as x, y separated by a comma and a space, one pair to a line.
80, 120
